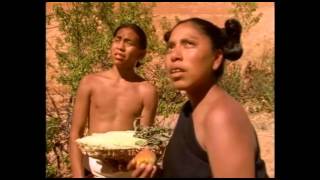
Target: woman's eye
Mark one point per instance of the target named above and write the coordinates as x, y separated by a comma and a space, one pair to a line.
169, 48
188, 44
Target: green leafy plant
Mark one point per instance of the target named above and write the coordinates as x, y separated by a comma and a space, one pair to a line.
156, 136
88, 30
52, 129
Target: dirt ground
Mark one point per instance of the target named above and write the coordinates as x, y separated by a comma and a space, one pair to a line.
264, 125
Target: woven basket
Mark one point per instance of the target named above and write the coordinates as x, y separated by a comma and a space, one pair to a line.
123, 153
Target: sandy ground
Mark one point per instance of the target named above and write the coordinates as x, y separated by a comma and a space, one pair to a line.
264, 125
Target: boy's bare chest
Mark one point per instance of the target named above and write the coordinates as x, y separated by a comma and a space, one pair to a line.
119, 96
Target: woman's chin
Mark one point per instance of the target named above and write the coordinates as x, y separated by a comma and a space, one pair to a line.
180, 85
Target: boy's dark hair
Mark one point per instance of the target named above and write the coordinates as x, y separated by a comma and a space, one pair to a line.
142, 36
136, 29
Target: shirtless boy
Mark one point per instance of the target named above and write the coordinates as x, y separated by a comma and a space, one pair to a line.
111, 100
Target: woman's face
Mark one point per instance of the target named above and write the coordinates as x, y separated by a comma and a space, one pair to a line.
125, 50
189, 58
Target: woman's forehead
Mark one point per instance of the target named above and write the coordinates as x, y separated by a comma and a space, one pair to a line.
187, 29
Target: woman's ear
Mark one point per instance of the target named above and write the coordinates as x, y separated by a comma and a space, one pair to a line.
217, 60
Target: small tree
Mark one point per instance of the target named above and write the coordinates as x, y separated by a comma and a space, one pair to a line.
245, 13
88, 28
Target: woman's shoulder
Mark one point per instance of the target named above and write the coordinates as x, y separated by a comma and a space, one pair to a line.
226, 111
227, 121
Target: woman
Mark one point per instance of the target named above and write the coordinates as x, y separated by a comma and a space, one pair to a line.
213, 136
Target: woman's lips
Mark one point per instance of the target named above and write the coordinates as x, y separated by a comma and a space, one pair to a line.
176, 72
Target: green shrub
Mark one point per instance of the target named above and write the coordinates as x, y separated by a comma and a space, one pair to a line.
261, 88
88, 30
170, 99
231, 80
256, 85
52, 129
51, 171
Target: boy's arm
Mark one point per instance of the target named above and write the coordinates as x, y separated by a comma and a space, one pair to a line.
150, 103
79, 117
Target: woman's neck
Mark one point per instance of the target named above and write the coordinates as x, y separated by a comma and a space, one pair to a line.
197, 94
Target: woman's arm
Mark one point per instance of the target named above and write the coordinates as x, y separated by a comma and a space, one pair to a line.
230, 143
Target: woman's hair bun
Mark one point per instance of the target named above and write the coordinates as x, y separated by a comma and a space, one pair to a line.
232, 49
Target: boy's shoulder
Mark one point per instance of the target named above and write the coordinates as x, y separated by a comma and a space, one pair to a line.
96, 77
93, 80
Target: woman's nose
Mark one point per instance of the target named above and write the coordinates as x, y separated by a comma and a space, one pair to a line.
175, 54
